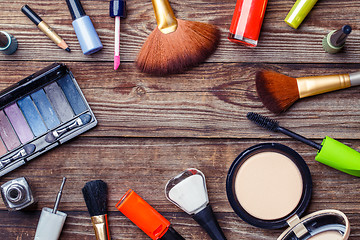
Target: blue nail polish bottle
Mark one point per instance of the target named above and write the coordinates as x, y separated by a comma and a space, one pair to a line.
84, 29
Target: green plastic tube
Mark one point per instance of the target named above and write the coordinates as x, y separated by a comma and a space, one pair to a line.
298, 12
339, 156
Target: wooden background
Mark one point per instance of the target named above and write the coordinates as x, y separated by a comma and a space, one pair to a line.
152, 128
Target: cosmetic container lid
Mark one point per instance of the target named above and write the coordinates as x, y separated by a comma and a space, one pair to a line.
76, 9
333, 150
118, 8
50, 225
325, 224
296, 209
298, 12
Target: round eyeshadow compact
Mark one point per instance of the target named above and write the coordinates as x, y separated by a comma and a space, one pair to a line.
269, 186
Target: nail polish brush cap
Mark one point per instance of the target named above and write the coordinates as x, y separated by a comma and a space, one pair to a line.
76, 9
335, 40
51, 221
118, 8
84, 28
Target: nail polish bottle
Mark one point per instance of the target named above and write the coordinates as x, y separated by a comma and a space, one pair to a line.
84, 29
247, 20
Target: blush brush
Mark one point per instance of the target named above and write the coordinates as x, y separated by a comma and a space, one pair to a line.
175, 45
95, 196
278, 91
330, 152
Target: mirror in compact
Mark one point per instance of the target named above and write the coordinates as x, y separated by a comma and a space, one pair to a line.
269, 186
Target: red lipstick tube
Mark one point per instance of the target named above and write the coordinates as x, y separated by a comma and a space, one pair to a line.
247, 20
146, 217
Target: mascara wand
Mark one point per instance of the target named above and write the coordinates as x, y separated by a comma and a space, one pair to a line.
331, 152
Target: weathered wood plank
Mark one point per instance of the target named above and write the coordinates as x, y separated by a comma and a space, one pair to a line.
145, 165
209, 101
278, 42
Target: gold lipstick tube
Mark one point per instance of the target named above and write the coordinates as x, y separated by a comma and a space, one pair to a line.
101, 227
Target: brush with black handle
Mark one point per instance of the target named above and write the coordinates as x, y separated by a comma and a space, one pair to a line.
330, 152
95, 196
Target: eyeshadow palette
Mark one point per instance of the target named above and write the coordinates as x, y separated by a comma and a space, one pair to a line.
40, 112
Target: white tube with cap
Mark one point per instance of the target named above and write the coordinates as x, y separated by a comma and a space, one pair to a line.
51, 221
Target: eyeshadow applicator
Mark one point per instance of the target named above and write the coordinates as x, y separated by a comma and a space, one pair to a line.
188, 191
80, 121
330, 152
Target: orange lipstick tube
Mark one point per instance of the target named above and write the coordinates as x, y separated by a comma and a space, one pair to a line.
146, 217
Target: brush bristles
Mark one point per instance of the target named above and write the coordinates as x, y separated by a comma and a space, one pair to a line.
191, 44
95, 196
263, 121
276, 91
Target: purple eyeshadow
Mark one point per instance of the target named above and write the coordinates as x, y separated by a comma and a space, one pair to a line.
7, 133
19, 123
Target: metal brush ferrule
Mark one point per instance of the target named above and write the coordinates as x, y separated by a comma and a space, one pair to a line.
101, 227
165, 16
309, 86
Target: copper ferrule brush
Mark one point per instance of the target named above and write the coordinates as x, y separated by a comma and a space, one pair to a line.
278, 92
95, 196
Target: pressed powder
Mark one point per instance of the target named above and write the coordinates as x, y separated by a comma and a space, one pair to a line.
268, 185
328, 235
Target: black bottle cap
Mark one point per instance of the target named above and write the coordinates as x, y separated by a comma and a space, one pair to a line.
31, 14
171, 234
339, 37
76, 9
118, 8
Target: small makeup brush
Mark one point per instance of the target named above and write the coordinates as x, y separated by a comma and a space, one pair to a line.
95, 196
331, 152
278, 92
25, 151
175, 44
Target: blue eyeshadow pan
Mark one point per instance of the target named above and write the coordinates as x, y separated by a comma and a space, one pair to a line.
72, 94
46, 110
32, 116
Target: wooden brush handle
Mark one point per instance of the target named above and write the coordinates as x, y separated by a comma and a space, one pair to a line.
165, 16
309, 86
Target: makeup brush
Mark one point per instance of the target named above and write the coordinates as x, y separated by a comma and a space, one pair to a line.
80, 121
188, 191
331, 152
175, 44
278, 92
95, 196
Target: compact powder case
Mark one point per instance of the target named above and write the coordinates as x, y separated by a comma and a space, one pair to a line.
269, 186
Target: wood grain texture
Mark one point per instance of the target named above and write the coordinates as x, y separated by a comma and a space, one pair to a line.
145, 165
210, 101
152, 128
278, 42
